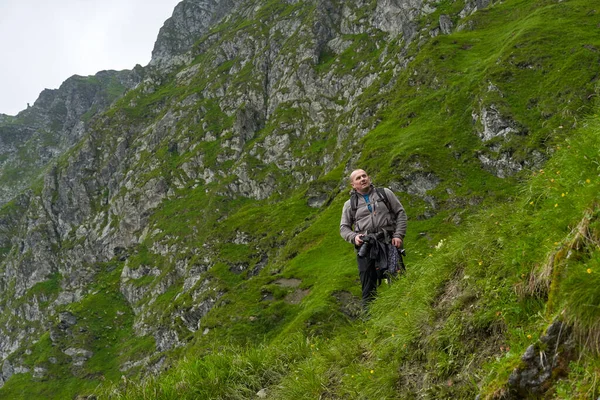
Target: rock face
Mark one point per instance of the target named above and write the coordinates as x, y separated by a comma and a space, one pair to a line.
398, 17
542, 363
191, 19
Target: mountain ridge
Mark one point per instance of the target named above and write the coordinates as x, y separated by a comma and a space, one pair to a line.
39, 134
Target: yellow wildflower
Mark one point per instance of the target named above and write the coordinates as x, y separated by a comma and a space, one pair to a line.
589, 270
528, 336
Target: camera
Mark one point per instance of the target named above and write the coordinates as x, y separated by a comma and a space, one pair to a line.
364, 248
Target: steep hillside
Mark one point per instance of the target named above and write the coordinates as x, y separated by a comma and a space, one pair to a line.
187, 246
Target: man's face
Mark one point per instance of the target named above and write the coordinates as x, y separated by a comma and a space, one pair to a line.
360, 181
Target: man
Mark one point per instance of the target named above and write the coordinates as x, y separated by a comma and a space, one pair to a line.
371, 217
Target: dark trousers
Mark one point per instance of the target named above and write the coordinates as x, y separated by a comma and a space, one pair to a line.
368, 279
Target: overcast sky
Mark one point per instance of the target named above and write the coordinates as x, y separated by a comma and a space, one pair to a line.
44, 42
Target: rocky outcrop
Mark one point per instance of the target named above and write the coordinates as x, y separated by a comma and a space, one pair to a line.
191, 19
542, 363
79, 356
399, 17
494, 124
473, 5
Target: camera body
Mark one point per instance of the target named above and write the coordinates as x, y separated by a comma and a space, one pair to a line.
368, 240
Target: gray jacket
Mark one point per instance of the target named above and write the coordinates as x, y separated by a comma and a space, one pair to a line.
373, 222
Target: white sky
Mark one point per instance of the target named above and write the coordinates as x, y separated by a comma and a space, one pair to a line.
44, 42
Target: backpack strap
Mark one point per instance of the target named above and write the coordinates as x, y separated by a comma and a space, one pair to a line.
353, 206
383, 195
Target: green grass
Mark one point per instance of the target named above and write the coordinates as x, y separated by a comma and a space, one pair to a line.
47, 289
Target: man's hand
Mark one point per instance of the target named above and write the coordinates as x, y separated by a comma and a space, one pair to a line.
358, 240
396, 242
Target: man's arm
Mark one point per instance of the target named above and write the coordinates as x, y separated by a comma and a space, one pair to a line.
346, 224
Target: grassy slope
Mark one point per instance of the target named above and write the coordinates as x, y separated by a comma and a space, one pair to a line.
444, 329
